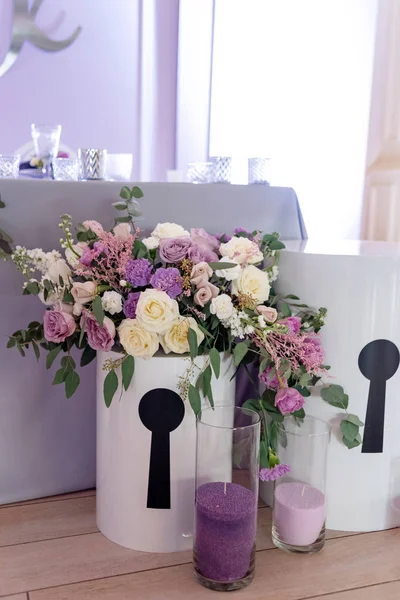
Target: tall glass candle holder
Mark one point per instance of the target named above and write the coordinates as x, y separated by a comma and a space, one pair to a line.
227, 472
259, 170
298, 522
46, 140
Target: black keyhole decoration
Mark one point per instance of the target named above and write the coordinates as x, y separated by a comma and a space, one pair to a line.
161, 411
378, 361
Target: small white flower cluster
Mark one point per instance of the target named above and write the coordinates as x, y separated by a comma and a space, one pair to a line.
273, 273
235, 324
42, 261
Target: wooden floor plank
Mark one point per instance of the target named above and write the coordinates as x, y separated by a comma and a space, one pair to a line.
82, 494
344, 564
386, 591
49, 520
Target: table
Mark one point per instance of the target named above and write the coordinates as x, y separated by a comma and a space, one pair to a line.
47, 444
52, 549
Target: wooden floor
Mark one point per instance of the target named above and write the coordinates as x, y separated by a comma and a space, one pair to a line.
50, 549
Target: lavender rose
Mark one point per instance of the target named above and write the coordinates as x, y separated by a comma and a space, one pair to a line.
99, 337
199, 254
174, 250
202, 238
289, 400
58, 326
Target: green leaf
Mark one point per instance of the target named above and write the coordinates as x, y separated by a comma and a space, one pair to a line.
123, 220
252, 405
2, 204
52, 355
194, 399
264, 455
304, 380
349, 430
125, 193
36, 349
20, 350
110, 387
98, 310
299, 414
210, 397
335, 396
128, 369
87, 356
11, 342
355, 420
285, 310
134, 209
119, 205
199, 381
71, 383
68, 363
303, 391
136, 192
68, 297
207, 374
60, 376
352, 444
192, 339
269, 237
239, 352
276, 245
137, 247
217, 266
292, 297
33, 288
215, 360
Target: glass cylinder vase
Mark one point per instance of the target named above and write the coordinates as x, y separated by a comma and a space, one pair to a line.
298, 522
46, 140
227, 475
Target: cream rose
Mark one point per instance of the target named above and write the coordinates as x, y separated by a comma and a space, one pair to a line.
83, 292
222, 307
176, 338
155, 311
151, 242
136, 341
169, 230
253, 282
241, 250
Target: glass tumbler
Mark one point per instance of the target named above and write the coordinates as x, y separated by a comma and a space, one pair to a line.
46, 140
199, 172
221, 169
298, 520
66, 169
9, 165
227, 472
92, 163
259, 170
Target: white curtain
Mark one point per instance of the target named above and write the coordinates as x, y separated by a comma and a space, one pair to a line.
292, 80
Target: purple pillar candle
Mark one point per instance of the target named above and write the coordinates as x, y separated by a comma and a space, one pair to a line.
299, 513
226, 519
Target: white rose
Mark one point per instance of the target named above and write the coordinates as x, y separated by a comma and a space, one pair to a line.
136, 341
57, 269
228, 274
122, 231
222, 307
253, 282
169, 230
151, 242
73, 255
112, 302
176, 338
83, 293
242, 250
155, 311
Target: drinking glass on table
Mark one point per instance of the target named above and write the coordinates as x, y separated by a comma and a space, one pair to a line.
298, 521
9, 165
46, 139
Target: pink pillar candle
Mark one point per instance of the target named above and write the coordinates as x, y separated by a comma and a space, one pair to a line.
299, 513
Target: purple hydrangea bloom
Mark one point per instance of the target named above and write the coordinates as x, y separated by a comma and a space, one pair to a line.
138, 272
240, 230
130, 304
168, 280
274, 472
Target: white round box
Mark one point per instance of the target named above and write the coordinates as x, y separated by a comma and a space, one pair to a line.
359, 284
123, 457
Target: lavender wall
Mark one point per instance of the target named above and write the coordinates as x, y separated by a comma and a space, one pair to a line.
91, 88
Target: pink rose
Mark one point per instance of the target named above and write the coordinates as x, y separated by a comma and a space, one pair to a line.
201, 273
99, 337
199, 254
205, 292
173, 250
269, 314
83, 292
95, 226
289, 400
271, 381
122, 231
58, 326
202, 238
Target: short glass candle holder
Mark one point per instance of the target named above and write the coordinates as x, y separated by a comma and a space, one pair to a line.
199, 172
46, 140
298, 521
92, 163
259, 170
66, 169
9, 165
221, 169
227, 465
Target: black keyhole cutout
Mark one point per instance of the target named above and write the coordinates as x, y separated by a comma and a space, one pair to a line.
378, 361
161, 411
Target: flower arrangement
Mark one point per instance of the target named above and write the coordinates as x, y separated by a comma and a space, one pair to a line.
186, 292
